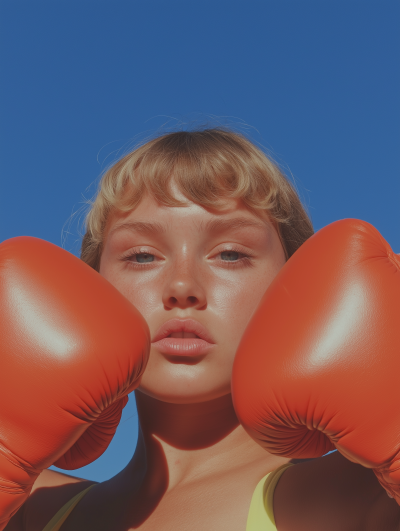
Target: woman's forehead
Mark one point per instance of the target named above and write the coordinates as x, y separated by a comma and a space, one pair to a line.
231, 213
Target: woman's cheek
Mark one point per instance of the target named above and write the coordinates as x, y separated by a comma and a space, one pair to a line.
140, 288
145, 296
235, 300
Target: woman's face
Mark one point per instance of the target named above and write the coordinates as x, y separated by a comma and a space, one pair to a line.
196, 276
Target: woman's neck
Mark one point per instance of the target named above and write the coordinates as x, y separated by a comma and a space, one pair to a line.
179, 443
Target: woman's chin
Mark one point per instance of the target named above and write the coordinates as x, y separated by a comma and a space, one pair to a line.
186, 382
184, 392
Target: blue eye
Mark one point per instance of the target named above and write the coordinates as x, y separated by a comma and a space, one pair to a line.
230, 256
144, 258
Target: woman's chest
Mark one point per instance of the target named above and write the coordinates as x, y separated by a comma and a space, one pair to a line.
215, 505
224, 507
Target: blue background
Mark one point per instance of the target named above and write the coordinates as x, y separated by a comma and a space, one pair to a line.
315, 82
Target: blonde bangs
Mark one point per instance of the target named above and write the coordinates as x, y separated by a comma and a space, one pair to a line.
208, 167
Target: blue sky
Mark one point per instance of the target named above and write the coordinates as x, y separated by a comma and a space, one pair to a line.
316, 82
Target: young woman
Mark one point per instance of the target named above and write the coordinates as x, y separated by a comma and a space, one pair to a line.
192, 227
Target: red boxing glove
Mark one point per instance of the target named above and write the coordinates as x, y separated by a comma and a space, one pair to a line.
72, 348
319, 363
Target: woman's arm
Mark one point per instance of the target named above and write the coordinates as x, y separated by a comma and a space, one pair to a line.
49, 493
331, 494
72, 348
318, 367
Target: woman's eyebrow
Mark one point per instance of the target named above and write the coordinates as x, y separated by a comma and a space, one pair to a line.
139, 226
223, 225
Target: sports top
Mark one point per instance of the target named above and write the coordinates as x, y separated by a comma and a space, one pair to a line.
259, 518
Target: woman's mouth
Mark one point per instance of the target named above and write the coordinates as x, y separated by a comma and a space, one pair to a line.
183, 334
186, 337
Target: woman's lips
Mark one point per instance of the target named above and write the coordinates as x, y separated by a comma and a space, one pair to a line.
183, 346
179, 337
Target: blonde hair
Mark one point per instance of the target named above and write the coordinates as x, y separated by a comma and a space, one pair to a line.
208, 166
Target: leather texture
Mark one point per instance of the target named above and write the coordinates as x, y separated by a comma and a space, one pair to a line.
318, 366
72, 348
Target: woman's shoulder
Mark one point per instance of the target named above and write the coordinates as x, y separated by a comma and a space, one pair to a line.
50, 492
332, 493
51, 478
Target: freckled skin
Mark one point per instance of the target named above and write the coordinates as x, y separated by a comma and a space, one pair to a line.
188, 279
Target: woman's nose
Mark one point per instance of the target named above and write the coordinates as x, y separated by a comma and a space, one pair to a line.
184, 290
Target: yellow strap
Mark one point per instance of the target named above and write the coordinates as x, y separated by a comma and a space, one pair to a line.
261, 512
59, 518
269, 489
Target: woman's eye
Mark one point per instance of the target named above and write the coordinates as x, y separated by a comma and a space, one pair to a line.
144, 258
138, 260
230, 256
234, 259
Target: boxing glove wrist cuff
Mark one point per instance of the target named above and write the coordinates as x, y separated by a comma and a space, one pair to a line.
16, 480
